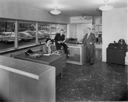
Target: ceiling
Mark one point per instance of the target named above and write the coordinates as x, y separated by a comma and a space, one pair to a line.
71, 7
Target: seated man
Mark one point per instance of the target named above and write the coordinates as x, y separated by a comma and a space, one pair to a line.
60, 42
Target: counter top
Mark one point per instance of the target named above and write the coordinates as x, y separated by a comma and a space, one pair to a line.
69, 44
42, 59
26, 68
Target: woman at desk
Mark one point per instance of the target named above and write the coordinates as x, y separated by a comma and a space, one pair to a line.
60, 41
46, 48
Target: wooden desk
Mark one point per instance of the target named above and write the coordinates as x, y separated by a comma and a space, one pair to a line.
25, 81
59, 61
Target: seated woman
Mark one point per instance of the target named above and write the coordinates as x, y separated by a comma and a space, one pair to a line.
47, 47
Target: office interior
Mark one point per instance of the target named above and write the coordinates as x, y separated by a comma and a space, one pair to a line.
26, 24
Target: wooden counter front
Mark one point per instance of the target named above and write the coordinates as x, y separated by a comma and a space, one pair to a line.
24, 81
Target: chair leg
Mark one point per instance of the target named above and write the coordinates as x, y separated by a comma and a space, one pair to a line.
61, 75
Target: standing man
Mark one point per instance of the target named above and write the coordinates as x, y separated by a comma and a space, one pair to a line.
89, 41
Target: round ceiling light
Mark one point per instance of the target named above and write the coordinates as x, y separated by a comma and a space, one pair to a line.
55, 11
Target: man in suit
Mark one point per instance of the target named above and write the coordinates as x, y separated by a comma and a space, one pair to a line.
60, 41
89, 41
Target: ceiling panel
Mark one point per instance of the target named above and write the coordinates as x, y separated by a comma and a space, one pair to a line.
70, 7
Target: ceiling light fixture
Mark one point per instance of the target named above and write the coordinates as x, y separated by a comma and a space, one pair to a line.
106, 7
55, 11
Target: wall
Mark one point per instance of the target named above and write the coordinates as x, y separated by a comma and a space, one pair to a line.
22, 11
98, 25
78, 25
81, 31
114, 27
97, 20
81, 19
127, 23
72, 28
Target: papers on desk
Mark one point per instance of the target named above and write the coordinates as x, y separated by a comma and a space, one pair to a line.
35, 55
47, 54
56, 53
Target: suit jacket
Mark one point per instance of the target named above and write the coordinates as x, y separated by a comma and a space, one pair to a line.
59, 37
90, 40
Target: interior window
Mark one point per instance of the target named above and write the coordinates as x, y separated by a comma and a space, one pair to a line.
26, 33
43, 31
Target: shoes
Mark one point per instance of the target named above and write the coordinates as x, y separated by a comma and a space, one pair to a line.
91, 63
67, 56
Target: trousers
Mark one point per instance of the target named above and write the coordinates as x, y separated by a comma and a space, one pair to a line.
90, 53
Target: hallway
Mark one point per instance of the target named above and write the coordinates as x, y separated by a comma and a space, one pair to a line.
98, 82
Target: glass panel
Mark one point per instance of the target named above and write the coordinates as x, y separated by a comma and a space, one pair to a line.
43, 31
7, 35
74, 54
49, 30
26, 33
55, 28
62, 26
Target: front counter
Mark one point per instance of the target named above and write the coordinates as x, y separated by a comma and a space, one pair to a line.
76, 54
24, 81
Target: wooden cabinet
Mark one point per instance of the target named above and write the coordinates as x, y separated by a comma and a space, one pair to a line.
116, 56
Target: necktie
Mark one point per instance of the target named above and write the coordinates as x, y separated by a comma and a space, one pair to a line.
88, 36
